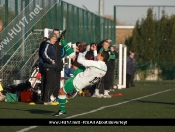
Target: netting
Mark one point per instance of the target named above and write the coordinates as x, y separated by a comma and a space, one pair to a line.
20, 64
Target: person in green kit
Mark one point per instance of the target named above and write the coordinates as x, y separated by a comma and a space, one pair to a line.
87, 72
107, 79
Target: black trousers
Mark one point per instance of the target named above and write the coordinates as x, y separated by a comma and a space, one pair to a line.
128, 80
57, 85
100, 86
132, 79
42, 84
92, 89
108, 79
50, 82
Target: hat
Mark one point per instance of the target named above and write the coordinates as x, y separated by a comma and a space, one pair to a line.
53, 35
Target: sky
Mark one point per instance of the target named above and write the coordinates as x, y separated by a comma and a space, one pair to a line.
123, 15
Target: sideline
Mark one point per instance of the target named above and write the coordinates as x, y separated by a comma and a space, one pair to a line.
101, 108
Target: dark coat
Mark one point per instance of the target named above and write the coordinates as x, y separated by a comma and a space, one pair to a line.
130, 66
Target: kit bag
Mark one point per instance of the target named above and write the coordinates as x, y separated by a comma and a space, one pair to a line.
12, 97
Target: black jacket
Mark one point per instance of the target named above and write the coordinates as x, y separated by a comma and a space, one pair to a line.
130, 66
60, 54
49, 54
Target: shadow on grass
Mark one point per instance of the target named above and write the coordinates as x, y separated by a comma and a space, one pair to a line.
156, 102
33, 111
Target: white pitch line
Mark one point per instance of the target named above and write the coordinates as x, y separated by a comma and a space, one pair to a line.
27, 129
101, 108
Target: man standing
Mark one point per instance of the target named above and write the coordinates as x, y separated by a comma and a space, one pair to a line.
60, 54
107, 79
50, 63
113, 52
130, 68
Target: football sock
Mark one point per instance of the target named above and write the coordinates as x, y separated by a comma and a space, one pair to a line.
62, 102
69, 51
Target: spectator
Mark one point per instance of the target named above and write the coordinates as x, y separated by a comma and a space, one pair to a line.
82, 47
100, 45
106, 81
2, 97
91, 55
50, 63
41, 49
41, 69
132, 77
113, 52
1, 27
77, 47
108, 76
60, 54
130, 68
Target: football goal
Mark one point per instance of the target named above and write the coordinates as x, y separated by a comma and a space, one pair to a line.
122, 66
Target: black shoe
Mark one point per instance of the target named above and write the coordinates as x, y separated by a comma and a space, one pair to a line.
59, 113
62, 35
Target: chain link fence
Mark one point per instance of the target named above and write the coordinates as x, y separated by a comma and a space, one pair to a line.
18, 55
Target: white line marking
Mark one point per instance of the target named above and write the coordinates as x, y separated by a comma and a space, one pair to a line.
101, 108
26, 129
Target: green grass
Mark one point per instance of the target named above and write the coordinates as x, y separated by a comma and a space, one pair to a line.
157, 106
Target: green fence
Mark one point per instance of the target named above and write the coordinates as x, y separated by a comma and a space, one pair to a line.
81, 25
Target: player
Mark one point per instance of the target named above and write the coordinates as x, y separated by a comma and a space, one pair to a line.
82, 77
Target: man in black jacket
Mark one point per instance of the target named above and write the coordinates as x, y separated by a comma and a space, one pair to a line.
60, 54
50, 63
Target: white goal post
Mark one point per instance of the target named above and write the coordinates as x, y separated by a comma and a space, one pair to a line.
122, 66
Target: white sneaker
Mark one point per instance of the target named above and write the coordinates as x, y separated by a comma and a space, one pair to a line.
112, 90
2, 98
51, 103
47, 103
94, 95
100, 96
107, 96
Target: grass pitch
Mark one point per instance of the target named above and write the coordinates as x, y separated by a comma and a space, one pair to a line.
142, 101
